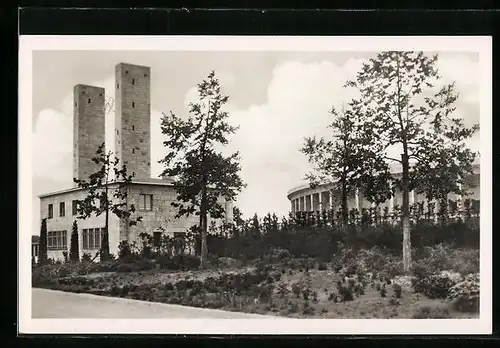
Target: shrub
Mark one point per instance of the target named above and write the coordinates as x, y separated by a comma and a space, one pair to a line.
322, 266
282, 290
42, 252
333, 297
142, 265
397, 290
434, 286
105, 266
293, 307
464, 261
383, 291
431, 312
74, 253
345, 292
297, 289
86, 257
465, 294
125, 268
307, 309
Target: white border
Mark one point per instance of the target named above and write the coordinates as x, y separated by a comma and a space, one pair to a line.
27, 44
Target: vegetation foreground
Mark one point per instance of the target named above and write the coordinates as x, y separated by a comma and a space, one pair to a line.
354, 284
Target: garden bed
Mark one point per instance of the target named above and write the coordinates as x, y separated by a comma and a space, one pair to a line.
297, 288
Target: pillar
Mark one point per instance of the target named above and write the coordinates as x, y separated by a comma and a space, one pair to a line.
320, 201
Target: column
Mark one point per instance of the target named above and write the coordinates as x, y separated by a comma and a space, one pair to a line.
412, 197
320, 201
292, 202
310, 202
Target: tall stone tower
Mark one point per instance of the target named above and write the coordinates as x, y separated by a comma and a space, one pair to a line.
133, 119
88, 128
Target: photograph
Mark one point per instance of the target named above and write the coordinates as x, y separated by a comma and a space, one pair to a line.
180, 179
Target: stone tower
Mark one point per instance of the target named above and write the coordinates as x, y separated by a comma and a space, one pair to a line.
88, 128
133, 119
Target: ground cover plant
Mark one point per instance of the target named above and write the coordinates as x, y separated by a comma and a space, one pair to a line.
354, 283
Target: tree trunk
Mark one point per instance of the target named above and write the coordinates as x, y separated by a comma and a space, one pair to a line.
105, 238
406, 214
345, 213
203, 225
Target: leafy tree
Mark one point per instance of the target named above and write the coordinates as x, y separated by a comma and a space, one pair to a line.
405, 109
42, 251
343, 160
74, 252
106, 194
202, 173
255, 227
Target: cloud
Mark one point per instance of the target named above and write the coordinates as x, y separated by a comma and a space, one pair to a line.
299, 97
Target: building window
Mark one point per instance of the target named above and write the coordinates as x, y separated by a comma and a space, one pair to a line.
75, 207
51, 211
89, 100
56, 240
133, 150
133, 127
133, 81
146, 202
117, 86
133, 104
91, 238
75, 103
62, 209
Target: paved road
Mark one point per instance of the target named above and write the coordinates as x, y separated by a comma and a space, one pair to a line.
57, 304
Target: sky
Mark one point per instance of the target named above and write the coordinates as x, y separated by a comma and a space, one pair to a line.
276, 99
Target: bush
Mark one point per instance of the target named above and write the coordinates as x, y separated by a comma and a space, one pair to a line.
465, 294
105, 266
125, 268
86, 257
434, 286
397, 290
431, 312
345, 292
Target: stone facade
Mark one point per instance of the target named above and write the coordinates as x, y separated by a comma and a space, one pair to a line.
88, 128
305, 198
133, 119
159, 216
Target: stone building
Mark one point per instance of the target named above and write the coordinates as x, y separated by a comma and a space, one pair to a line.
305, 198
152, 198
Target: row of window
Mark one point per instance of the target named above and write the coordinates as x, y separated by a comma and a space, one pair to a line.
58, 240
145, 203
62, 209
91, 239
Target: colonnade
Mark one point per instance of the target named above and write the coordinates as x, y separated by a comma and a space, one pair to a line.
324, 200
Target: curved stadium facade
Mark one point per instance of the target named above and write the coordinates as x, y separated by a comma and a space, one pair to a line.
304, 198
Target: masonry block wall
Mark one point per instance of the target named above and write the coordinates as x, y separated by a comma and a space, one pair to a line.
58, 223
133, 119
88, 128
